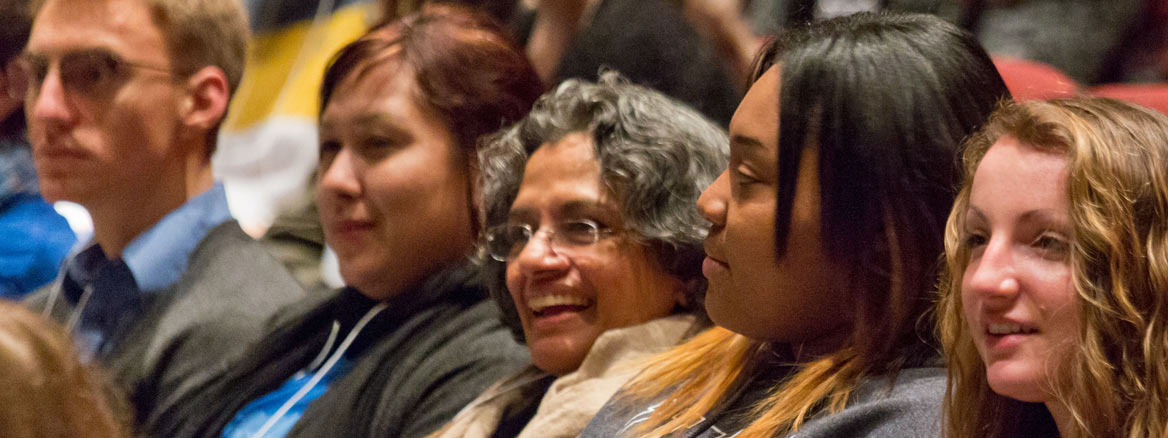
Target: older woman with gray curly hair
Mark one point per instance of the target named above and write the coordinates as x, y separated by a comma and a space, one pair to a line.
593, 247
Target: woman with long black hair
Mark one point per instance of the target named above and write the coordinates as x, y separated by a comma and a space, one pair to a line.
826, 231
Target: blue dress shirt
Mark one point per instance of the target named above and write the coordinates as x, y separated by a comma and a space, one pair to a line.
153, 261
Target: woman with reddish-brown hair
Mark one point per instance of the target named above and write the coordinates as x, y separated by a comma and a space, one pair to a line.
411, 338
47, 391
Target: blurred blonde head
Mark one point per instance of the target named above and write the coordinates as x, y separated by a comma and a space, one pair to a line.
1116, 382
47, 392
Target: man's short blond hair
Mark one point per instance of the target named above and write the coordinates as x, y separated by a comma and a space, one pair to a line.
200, 33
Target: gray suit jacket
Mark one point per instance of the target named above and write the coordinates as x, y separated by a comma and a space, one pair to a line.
188, 333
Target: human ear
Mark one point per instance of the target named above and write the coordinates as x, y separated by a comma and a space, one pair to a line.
206, 99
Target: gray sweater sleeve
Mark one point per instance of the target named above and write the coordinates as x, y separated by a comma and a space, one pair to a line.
907, 408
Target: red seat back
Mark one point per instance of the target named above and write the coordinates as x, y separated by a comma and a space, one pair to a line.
1034, 80
1154, 96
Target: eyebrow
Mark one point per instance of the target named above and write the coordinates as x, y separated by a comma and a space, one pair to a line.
31, 55
975, 211
366, 121
372, 118
45, 55
746, 141
1041, 214
361, 121
1044, 215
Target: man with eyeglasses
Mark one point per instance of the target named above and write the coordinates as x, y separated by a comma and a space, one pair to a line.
34, 239
124, 98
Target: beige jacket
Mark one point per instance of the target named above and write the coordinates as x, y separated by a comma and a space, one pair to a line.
573, 399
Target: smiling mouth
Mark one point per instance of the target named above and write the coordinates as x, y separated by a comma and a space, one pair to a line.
550, 305
1009, 329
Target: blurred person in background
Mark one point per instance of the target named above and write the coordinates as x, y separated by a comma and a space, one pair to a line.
34, 239
594, 248
124, 99
650, 42
1091, 41
411, 338
1053, 307
47, 391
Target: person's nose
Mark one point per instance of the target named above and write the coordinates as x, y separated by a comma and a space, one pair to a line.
712, 202
539, 258
339, 176
48, 103
994, 275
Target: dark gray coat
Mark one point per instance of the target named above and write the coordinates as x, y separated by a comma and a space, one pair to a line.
417, 363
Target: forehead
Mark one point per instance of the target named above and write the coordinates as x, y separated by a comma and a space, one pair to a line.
373, 69
385, 89
575, 153
758, 115
125, 27
1026, 175
562, 174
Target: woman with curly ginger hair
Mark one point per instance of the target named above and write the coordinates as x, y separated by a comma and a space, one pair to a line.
1053, 315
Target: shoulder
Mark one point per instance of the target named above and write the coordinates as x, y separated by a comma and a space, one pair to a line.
908, 405
443, 344
227, 249
909, 387
433, 365
219, 307
467, 337
231, 272
621, 350
905, 405
231, 288
618, 416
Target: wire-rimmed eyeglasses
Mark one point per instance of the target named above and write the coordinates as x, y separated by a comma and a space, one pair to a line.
88, 72
505, 242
